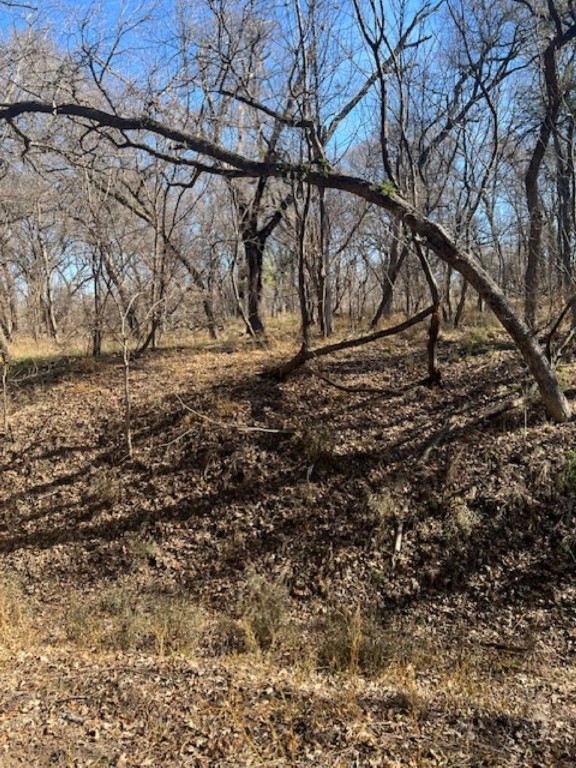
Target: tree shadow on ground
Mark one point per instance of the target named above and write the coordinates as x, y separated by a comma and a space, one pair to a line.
31, 375
221, 498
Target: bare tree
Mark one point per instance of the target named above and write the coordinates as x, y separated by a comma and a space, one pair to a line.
184, 133
562, 30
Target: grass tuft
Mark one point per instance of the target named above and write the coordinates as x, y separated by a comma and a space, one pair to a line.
14, 616
351, 642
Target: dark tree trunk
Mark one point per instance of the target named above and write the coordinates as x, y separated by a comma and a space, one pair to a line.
461, 304
254, 251
305, 316
434, 375
553, 103
396, 260
324, 288
564, 186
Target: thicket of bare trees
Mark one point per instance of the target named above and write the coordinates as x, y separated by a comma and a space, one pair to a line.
244, 158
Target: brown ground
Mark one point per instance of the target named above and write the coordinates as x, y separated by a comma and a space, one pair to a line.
230, 596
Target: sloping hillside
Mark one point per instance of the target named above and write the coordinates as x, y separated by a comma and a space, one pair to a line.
343, 569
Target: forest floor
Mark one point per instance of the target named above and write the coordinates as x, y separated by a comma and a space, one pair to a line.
343, 569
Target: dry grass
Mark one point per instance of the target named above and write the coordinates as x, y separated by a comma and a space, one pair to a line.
122, 620
16, 629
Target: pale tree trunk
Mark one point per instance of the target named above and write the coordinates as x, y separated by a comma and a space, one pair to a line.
48, 296
98, 323
10, 313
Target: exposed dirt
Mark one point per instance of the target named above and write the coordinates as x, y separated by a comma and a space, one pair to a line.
377, 509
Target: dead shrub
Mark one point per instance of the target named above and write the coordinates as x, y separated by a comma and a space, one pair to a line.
120, 620
316, 443
265, 610
105, 489
14, 620
226, 636
351, 642
462, 521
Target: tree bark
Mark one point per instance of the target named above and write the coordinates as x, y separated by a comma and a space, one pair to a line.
461, 304
396, 260
324, 289
98, 319
253, 250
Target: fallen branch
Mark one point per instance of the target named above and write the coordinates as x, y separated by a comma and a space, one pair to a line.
305, 354
452, 426
399, 531
359, 390
224, 425
559, 320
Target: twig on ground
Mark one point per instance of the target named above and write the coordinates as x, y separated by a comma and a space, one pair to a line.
451, 425
237, 427
357, 390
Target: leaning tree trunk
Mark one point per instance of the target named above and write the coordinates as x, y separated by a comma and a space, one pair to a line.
438, 240
552, 396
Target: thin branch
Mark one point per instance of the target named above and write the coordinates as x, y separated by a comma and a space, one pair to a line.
237, 427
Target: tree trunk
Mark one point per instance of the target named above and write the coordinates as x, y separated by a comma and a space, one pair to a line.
396, 260
434, 375
324, 288
98, 319
532, 274
301, 221
461, 305
254, 261
11, 303
554, 97
448, 310
565, 215
208, 306
48, 296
